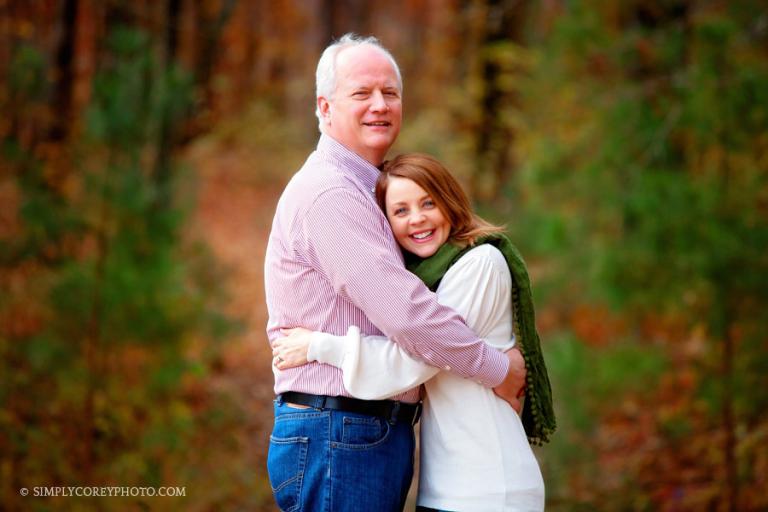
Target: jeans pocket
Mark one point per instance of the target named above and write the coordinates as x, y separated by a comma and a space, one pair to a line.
286, 461
363, 432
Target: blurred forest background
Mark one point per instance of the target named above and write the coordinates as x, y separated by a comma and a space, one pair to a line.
143, 148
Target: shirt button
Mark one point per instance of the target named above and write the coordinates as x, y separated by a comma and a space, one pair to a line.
448, 368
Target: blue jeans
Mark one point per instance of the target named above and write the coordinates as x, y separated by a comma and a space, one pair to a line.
336, 461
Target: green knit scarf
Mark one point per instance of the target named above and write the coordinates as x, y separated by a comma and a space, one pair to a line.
538, 415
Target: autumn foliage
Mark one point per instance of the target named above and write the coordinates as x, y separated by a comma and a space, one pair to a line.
144, 144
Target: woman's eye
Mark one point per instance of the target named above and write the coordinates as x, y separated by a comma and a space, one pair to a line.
399, 211
429, 203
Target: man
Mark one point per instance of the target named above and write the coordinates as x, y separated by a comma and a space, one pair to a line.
332, 262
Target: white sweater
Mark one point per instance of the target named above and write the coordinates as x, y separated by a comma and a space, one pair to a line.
474, 453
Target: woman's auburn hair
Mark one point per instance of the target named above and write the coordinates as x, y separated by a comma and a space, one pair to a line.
444, 190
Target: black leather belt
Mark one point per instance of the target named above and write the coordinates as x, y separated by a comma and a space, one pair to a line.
391, 410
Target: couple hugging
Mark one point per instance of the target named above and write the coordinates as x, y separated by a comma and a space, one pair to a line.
358, 338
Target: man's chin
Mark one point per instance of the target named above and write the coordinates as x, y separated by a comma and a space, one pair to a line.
381, 142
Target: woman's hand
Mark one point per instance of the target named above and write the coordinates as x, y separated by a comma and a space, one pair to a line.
291, 350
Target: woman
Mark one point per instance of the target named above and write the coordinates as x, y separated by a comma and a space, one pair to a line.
475, 453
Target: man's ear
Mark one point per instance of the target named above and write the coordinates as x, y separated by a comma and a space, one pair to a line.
325, 109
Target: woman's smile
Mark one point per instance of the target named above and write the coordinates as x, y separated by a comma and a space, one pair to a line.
423, 236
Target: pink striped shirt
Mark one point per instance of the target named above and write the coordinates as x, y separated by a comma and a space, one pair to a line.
332, 262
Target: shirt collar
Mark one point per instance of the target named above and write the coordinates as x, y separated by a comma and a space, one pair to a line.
358, 167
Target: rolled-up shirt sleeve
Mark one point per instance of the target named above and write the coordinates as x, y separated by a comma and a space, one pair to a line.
359, 257
477, 287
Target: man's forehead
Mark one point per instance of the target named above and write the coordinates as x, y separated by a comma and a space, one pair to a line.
357, 81
353, 52
356, 59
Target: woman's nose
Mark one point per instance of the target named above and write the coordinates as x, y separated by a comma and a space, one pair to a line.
416, 218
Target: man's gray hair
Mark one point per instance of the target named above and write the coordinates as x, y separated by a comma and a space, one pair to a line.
325, 77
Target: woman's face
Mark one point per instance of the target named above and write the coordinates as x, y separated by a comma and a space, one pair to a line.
417, 223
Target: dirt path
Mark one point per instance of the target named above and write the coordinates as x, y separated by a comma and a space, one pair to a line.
233, 216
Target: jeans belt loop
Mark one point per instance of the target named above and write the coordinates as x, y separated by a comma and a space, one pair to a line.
322, 402
393, 414
416, 414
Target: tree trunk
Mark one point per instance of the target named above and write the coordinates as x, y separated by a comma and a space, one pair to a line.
211, 28
729, 444
328, 17
495, 136
64, 73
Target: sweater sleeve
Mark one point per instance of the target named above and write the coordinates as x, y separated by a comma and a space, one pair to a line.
373, 367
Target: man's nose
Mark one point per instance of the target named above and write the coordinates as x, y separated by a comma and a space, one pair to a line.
378, 102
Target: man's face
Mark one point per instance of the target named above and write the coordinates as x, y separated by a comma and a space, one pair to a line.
366, 110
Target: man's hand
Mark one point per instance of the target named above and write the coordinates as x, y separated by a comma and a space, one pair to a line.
513, 386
